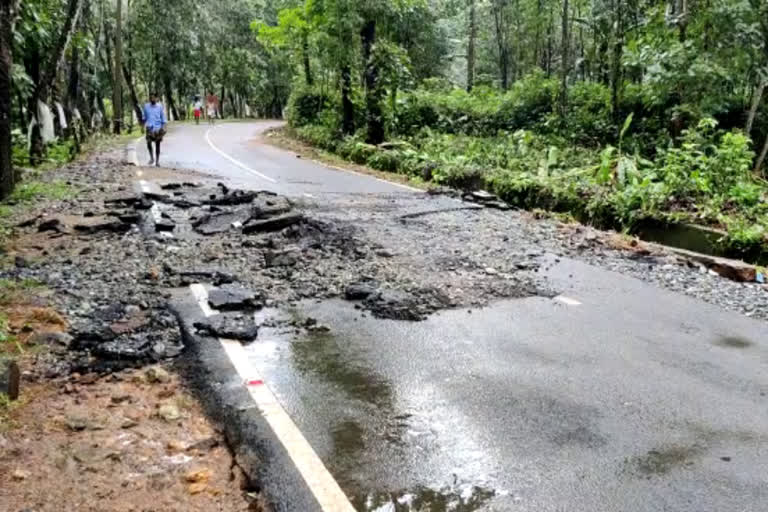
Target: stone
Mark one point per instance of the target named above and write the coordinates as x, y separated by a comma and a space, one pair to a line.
233, 297
273, 224
51, 225
220, 222
204, 445
156, 374
265, 207
498, 205
482, 196
10, 378
164, 225
119, 398
231, 198
20, 474
359, 291
169, 412
734, 270
229, 326
281, 258
128, 422
175, 446
77, 422
198, 475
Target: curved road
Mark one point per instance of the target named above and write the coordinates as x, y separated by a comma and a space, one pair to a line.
621, 398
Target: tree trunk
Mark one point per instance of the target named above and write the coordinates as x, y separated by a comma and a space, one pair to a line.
8, 10
169, 95
117, 81
471, 46
348, 108
761, 158
134, 97
501, 41
564, 63
43, 87
305, 57
373, 115
618, 50
755, 104
221, 101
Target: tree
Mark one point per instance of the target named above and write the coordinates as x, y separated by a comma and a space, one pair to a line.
471, 45
117, 84
8, 12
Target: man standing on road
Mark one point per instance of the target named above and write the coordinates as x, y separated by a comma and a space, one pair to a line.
212, 107
154, 126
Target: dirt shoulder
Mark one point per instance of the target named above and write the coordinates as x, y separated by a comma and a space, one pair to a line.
132, 441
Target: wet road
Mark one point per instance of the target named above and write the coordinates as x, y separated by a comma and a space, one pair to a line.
618, 397
234, 152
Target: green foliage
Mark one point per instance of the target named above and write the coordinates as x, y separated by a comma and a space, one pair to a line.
32, 190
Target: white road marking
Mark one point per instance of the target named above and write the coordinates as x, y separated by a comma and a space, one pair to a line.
406, 187
567, 300
234, 160
320, 482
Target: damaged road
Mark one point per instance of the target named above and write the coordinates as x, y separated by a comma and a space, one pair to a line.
436, 352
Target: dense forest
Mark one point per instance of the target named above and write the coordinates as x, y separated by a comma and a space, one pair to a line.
616, 111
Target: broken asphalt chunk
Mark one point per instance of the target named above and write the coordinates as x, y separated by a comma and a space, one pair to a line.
233, 297
229, 326
359, 291
273, 224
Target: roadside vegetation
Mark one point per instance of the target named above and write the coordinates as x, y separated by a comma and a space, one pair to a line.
621, 114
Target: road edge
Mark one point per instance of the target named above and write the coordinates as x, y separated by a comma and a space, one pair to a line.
227, 402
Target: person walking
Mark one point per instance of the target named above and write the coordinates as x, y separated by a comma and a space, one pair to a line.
198, 109
212, 107
154, 127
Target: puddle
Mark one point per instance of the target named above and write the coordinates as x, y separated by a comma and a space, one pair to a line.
320, 354
466, 498
734, 342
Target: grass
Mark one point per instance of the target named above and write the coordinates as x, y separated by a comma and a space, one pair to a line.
33, 190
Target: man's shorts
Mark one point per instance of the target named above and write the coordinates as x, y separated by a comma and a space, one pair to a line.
155, 135
197, 113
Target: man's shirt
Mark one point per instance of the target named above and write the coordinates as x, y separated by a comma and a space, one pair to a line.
154, 116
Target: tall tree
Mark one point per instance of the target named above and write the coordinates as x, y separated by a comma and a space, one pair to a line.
117, 84
471, 45
8, 11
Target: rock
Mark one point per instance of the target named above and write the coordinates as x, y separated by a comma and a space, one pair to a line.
97, 225
51, 225
10, 377
273, 224
77, 422
198, 475
282, 258
169, 412
20, 474
229, 326
204, 445
233, 297
170, 186
164, 225
175, 446
491, 271
220, 222
120, 398
265, 207
498, 205
232, 198
482, 196
217, 277
385, 253
734, 270
394, 304
128, 422
156, 374
51, 339
359, 291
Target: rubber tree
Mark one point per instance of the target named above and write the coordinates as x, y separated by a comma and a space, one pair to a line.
48, 75
8, 11
471, 44
117, 81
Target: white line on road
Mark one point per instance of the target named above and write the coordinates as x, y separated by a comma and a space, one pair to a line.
406, 187
234, 160
567, 300
322, 485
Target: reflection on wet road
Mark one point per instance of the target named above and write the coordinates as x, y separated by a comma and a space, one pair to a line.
533, 404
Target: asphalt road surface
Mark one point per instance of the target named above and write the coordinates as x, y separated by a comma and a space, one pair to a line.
618, 396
